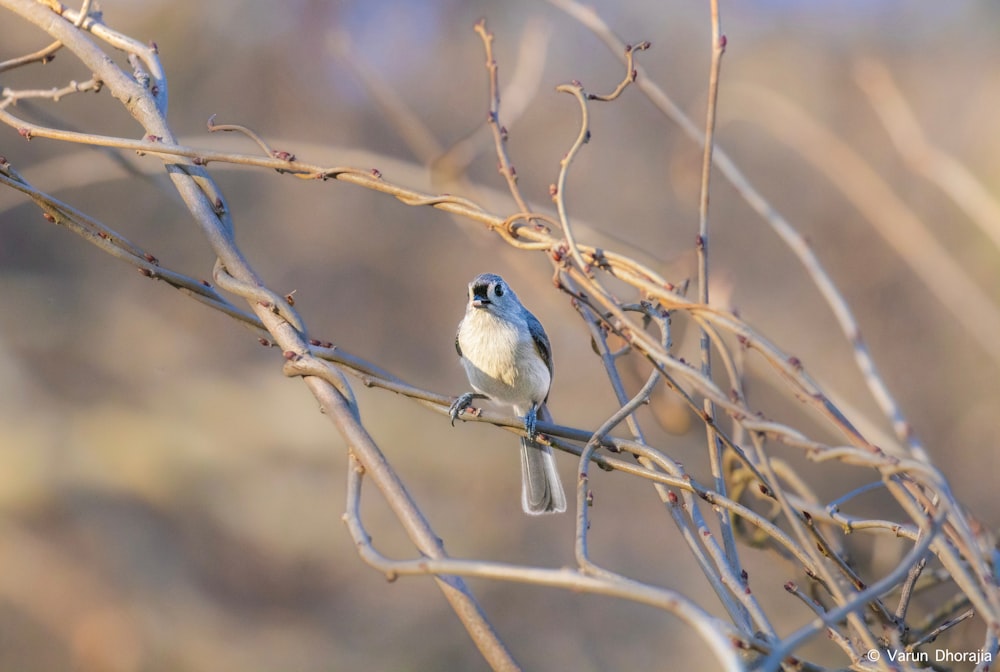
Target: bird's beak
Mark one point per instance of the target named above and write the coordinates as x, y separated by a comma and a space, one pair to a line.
480, 303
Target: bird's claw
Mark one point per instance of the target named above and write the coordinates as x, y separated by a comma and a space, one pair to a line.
459, 406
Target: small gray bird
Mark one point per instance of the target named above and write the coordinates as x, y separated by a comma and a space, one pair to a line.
507, 358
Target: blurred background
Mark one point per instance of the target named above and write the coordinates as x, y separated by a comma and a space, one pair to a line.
169, 501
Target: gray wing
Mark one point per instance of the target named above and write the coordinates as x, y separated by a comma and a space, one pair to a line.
458, 348
541, 340
541, 488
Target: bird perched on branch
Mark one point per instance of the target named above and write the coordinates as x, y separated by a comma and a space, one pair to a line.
507, 358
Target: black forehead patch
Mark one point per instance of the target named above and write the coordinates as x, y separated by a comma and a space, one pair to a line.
481, 290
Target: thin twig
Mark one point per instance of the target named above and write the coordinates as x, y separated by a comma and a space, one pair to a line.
947, 625
714, 444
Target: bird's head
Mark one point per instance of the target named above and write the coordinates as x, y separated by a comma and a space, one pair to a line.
489, 292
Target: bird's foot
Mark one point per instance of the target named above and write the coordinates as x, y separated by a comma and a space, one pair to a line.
530, 421
460, 404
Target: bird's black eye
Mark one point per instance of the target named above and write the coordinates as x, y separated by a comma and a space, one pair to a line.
499, 289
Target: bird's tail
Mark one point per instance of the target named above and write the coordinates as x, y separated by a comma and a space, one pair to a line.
541, 487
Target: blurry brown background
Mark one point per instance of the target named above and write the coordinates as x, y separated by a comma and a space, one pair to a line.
168, 501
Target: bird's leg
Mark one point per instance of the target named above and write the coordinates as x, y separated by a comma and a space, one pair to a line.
530, 420
462, 403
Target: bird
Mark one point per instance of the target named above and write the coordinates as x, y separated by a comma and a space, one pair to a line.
508, 359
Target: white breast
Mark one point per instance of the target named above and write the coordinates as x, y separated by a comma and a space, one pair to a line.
501, 361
